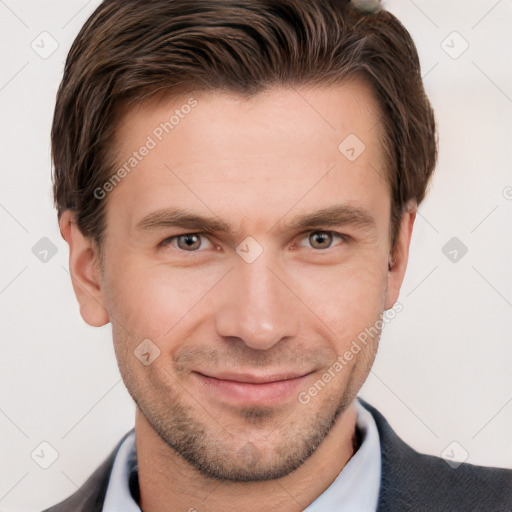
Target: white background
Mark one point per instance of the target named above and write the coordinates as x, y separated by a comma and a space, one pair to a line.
443, 372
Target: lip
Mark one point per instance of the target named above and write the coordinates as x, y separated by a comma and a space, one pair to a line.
252, 389
256, 379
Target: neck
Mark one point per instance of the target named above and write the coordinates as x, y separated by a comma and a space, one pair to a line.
169, 483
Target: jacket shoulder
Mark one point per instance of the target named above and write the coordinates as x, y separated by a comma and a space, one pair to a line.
427, 483
422, 483
91, 495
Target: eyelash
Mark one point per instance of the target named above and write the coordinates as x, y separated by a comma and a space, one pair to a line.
169, 240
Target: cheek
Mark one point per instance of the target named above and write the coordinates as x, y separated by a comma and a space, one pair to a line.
347, 299
152, 301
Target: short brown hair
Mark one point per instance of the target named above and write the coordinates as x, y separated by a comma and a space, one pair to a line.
131, 50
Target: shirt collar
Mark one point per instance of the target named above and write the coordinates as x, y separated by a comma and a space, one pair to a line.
355, 488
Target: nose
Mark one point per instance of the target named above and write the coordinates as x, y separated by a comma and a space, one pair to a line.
257, 306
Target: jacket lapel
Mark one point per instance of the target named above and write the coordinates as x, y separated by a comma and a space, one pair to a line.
413, 481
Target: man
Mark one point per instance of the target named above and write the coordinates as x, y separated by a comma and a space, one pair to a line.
238, 182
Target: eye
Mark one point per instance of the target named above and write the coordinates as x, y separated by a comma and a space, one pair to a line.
189, 242
324, 239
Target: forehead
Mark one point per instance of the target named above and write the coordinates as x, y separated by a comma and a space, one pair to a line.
331, 112
217, 152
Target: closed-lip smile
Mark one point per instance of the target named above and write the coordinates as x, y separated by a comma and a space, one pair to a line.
256, 379
250, 388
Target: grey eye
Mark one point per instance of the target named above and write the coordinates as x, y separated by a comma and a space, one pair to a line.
320, 239
189, 242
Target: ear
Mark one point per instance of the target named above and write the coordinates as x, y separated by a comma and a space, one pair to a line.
84, 267
399, 257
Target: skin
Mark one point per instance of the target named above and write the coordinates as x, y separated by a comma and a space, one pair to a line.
255, 164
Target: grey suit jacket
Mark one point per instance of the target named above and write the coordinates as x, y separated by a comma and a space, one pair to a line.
410, 481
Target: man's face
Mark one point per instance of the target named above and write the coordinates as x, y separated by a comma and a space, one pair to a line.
249, 316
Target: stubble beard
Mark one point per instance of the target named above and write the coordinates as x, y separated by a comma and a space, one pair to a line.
222, 455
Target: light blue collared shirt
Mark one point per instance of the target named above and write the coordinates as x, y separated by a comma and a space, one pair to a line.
355, 488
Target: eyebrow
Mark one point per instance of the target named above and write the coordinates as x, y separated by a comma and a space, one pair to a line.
336, 215
175, 217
